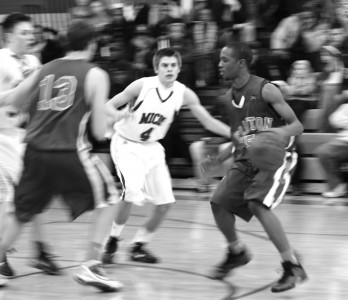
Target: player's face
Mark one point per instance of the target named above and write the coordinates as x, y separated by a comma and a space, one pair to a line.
229, 66
168, 69
21, 38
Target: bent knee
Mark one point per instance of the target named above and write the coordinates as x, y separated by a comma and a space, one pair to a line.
164, 208
256, 207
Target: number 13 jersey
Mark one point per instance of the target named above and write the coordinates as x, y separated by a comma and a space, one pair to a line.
152, 112
59, 113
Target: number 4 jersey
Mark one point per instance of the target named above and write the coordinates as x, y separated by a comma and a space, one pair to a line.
59, 113
152, 112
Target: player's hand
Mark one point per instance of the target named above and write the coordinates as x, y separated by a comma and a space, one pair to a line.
207, 163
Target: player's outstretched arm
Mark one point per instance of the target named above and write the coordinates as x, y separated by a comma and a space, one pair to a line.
191, 100
18, 96
97, 86
130, 93
272, 95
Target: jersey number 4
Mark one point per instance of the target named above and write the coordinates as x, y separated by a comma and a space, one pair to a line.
146, 134
63, 88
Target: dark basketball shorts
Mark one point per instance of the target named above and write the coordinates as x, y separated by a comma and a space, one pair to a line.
244, 183
82, 180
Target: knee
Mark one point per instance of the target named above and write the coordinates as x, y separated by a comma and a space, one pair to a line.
164, 208
256, 207
216, 209
197, 150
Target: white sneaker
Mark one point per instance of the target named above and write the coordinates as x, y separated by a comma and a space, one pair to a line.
95, 276
339, 191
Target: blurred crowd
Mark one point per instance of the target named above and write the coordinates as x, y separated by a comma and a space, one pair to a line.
301, 46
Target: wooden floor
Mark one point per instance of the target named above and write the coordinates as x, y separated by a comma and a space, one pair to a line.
189, 245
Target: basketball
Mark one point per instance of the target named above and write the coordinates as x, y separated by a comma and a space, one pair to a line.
267, 150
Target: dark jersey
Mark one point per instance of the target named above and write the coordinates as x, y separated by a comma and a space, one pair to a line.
249, 114
58, 111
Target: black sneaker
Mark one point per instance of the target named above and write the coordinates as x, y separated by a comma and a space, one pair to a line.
231, 261
45, 263
6, 270
3, 278
292, 274
110, 250
139, 254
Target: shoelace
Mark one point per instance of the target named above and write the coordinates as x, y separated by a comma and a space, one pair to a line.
100, 270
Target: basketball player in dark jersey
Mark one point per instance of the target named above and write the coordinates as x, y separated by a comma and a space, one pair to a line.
254, 105
66, 104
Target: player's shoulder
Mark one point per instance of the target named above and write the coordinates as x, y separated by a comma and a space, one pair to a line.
32, 60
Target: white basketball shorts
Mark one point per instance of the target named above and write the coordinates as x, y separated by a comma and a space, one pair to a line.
142, 170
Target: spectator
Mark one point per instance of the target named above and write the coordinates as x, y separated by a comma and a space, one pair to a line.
298, 37
334, 153
48, 45
300, 92
120, 29
205, 36
142, 50
165, 18
330, 82
81, 10
100, 17
180, 41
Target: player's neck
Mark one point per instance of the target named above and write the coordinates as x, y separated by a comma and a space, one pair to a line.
15, 51
241, 81
166, 85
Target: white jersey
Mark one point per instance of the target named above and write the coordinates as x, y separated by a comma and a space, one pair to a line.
13, 70
152, 112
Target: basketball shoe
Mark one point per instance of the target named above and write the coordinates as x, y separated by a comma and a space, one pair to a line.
44, 261
6, 270
95, 276
110, 250
292, 274
139, 254
231, 262
3, 278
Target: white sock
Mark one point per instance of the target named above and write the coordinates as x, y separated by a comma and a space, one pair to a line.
116, 229
143, 236
289, 256
236, 247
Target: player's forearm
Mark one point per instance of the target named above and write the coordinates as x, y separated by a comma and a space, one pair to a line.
218, 127
5, 98
293, 129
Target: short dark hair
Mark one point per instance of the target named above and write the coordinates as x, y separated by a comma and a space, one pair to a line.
79, 35
165, 52
241, 51
13, 19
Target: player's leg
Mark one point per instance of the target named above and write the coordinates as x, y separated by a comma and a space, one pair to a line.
227, 201
11, 232
331, 155
119, 222
43, 260
131, 170
6, 207
198, 152
32, 195
158, 188
270, 187
86, 184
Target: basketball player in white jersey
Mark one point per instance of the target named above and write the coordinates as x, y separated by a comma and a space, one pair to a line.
152, 103
15, 65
